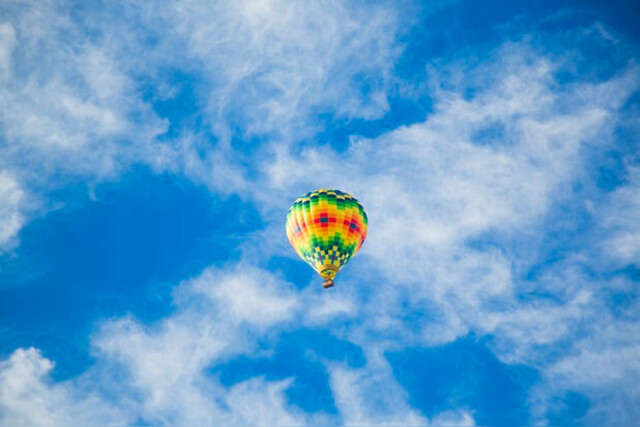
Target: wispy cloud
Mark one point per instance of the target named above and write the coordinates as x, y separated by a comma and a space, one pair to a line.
166, 363
621, 220
11, 219
465, 206
460, 206
79, 92
28, 397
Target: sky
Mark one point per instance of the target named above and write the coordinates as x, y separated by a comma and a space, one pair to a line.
149, 152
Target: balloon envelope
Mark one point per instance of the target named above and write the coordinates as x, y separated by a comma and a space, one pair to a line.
326, 228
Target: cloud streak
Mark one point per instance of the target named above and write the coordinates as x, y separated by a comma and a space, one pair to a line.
466, 206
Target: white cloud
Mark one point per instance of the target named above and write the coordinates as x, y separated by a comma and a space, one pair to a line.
68, 105
431, 187
454, 418
323, 308
7, 42
158, 373
459, 204
491, 166
268, 69
270, 63
621, 221
68, 109
11, 217
76, 90
246, 295
602, 365
29, 398
371, 396
167, 362
73, 108
257, 402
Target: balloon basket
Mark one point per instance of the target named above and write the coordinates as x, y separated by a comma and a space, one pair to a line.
328, 283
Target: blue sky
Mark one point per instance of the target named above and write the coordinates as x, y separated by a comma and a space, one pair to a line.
149, 154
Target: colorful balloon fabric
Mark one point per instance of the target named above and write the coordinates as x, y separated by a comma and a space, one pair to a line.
326, 228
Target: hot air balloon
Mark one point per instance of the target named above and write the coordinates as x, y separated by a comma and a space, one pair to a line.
326, 228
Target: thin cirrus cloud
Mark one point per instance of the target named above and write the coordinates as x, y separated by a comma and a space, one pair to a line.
85, 98
469, 206
622, 241
436, 192
158, 373
11, 218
